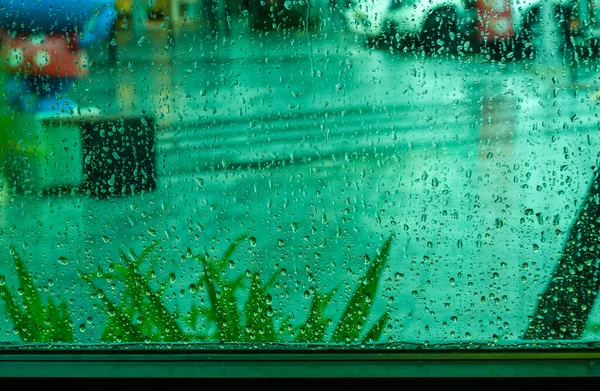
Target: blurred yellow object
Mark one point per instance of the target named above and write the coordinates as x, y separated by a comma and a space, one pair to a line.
153, 5
159, 5
124, 5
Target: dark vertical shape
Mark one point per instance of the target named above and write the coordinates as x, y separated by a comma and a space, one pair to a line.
118, 156
112, 49
564, 307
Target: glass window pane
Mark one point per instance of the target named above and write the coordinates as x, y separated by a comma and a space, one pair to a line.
301, 171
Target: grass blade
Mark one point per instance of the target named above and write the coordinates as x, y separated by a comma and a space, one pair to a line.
117, 331
223, 303
111, 331
229, 252
374, 335
31, 297
59, 329
315, 327
213, 300
20, 321
165, 321
120, 319
237, 283
259, 321
36, 322
197, 313
139, 259
121, 271
359, 307
107, 276
273, 278
53, 322
66, 333
192, 318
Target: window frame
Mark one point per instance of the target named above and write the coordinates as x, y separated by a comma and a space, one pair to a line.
537, 359
525, 358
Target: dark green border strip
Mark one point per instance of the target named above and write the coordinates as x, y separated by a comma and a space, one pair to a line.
231, 365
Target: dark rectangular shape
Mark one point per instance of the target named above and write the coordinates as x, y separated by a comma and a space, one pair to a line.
118, 156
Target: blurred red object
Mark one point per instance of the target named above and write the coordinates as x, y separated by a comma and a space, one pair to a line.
494, 20
53, 56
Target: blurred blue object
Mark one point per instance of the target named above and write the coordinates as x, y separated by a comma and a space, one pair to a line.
94, 18
34, 16
98, 29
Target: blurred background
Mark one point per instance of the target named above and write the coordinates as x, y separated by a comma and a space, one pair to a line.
466, 130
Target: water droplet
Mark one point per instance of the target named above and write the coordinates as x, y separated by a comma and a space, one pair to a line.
172, 277
63, 261
231, 264
193, 288
252, 241
294, 227
499, 223
2, 280
113, 42
269, 299
536, 248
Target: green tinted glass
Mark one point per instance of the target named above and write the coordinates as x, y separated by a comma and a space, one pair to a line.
303, 173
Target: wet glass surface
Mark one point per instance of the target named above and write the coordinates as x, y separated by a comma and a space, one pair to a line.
314, 148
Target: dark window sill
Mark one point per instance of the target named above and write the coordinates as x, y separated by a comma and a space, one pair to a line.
170, 361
